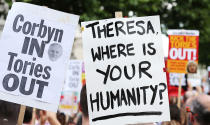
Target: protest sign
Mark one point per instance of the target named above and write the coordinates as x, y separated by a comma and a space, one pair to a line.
183, 47
74, 76
175, 77
124, 71
35, 48
71, 91
69, 102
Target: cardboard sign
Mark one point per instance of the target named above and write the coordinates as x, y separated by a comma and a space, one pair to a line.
183, 47
74, 76
69, 102
124, 71
72, 88
175, 77
35, 47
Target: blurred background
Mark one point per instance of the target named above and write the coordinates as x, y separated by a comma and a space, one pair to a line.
174, 14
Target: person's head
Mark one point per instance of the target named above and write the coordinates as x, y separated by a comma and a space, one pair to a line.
61, 118
55, 51
28, 115
8, 113
201, 110
83, 102
192, 67
189, 94
175, 113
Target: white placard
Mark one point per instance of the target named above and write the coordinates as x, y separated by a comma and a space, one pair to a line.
35, 51
74, 76
183, 32
194, 82
175, 77
124, 71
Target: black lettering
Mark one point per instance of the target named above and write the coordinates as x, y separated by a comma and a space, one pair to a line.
123, 97
23, 86
138, 95
115, 97
111, 73
121, 48
119, 27
50, 34
96, 55
109, 29
18, 17
106, 74
39, 49
154, 90
151, 48
26, 27
138, 24
129, 49
15, 82
107, 101
144, 93
12, 55
130, 26
105, 52
47, 73
25, 45
26, 64
33, 28
112, 50
41, 84
93, 29
126, 72
37, 70
18, 65
94, 101
32, 67
131, 96
144, 49
144, 70
58, 32
101, 30
42, 30
150, 27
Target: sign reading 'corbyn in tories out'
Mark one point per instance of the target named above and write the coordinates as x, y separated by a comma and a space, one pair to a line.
124, 71
35, 48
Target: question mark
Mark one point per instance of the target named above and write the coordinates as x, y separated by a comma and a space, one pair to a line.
161, 91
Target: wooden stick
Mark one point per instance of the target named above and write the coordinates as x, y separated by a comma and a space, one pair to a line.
21, 114
33, 116
118, 14
179, 91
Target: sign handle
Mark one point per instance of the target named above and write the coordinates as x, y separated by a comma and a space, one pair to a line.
179, 92
118, 14
21, 114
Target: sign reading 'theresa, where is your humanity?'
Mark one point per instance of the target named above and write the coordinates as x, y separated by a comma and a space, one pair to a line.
35, 48
124, 65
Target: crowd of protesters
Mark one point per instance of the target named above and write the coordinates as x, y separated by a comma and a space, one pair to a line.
194, 110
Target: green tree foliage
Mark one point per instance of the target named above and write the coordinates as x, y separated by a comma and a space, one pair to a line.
174, 14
